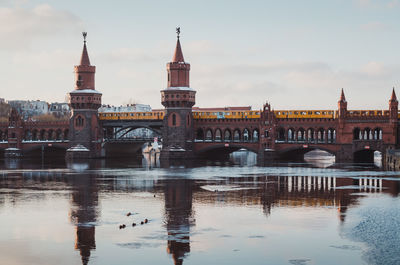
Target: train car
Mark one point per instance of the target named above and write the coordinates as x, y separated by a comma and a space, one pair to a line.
153, 115
304, 114
367, 113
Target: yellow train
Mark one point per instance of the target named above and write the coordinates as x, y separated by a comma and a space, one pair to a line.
150, 115
242, 114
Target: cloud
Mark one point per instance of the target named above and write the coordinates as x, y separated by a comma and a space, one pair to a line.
19, 27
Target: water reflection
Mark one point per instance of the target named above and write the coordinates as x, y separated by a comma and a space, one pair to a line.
84, 213
229, 202
178, 217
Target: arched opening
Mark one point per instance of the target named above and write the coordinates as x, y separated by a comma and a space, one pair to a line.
43, 135
66, 134
321, 135
218, 135
227, 135
255, 135
51, 135
356, 134
331, 135
236, 135
209, 135
28, 135
199, 135
291, 135
319, 158
300, 135
1, 136
364, 156
303, 154
59, 134
35, 135
367, 135
310, 135
281, 134
246, 135
377, 134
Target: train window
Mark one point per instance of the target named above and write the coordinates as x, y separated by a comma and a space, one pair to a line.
257, 113
131, 114
233, 113
303, 113
324, 112
310, 113
208, 113
290, 113
296, 113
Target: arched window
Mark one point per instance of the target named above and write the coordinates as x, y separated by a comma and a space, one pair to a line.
236, 135
218, 135
209, 135
174, 119
188, 119
255, 135
227, 136
79, 121
246, 135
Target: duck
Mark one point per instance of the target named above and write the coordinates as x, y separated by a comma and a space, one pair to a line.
146, 221
141, 222
129, 214
122, 226
133, 224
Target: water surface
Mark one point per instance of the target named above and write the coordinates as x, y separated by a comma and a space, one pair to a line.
217, 213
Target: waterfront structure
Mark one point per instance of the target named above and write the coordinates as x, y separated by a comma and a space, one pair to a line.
85, 130
189, 132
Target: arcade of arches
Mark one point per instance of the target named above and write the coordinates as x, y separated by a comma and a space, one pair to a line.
311, 135
227, 135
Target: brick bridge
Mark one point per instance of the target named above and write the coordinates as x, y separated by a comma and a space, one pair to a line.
350, 135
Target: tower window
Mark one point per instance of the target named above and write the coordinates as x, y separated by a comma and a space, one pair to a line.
168, 77
174, 119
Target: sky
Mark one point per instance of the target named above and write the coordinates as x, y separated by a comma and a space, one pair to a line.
293, 54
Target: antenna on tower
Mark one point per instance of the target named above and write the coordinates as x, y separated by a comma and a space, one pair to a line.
178, 31
84, 36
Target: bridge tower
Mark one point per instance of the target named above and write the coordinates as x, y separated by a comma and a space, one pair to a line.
178, 99
393, 113
84, 127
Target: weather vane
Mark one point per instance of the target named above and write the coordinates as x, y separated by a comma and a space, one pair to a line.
84, 36
178, 31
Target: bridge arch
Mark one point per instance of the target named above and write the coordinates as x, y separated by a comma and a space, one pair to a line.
218, 148
296, 153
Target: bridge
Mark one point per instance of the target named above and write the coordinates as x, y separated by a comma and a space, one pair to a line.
188, 132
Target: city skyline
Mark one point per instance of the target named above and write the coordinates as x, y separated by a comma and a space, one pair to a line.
293, 55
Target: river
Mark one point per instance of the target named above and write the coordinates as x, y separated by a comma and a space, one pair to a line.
226, 212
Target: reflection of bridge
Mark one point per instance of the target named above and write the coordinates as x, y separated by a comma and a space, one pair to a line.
189, 132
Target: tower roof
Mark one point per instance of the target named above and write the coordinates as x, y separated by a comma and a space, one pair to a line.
178, 56
85, 56
393, 97
342, 97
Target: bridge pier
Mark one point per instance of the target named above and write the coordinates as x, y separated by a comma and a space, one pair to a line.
176, 157
266, 157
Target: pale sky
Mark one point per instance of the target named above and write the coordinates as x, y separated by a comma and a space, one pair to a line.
294, 54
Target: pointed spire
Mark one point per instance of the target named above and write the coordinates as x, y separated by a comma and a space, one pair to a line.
178, 56
393, 97
85, 57
342, 97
